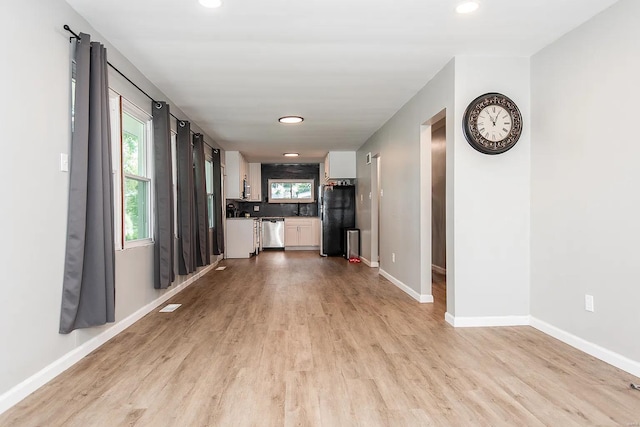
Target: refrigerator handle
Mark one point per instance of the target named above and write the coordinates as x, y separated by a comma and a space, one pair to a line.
320, 210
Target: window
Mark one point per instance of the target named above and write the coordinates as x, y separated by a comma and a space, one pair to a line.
136, 172
291, 191
208, 173
114, 108
73, 93
132, 172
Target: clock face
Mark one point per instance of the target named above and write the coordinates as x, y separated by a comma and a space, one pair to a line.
492, 123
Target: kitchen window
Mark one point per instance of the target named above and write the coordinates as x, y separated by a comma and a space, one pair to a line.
291, 191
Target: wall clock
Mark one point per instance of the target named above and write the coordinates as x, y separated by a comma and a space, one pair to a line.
492, 123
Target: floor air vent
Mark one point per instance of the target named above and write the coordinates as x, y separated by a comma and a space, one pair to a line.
169, 308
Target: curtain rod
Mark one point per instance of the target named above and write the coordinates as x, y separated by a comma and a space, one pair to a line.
77, 36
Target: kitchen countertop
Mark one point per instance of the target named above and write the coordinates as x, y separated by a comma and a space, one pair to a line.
272, 217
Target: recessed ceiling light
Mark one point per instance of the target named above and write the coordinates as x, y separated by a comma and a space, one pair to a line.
467, 7
291, 119
211, 3
291, 154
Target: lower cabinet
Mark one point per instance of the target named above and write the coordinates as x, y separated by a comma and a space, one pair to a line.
301, 232
241, 238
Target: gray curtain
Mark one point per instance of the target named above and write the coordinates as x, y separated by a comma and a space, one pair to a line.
186, 214
202, 217
164, 273
88, 289
218, 236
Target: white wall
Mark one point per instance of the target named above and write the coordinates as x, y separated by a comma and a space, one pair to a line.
492, 199
34, 81
585, 173
487, 196
398, 144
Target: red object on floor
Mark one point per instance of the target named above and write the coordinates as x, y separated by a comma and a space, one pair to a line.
354, 259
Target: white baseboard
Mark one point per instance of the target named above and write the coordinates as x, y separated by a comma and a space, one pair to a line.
413, 294
369, 263
486, 321
608, 356
14, 395
439, 270
449, 319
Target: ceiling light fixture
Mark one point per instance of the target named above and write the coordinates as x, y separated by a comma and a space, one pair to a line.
291, 154
467, 7
211, 3
291, 119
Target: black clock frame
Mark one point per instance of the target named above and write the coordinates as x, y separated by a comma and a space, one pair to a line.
470, 124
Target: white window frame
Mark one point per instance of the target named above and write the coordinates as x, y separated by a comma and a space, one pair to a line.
210, 192
116, 162
144, 117
286, 181
136, 112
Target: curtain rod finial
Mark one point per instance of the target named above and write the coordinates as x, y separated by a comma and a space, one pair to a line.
67, 28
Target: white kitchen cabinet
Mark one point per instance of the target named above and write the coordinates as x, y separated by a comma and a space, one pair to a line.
301, 232
255, 182
241, 238
340, 165
236, 170
290, 234
315, 225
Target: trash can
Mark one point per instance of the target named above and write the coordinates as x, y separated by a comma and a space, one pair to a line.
352, 243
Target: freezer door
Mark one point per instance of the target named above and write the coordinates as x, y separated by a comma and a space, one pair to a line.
338, 213
321, 215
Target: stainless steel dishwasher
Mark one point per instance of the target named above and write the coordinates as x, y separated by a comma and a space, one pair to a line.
272, 233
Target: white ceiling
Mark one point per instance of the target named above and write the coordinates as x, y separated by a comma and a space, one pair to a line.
345, 65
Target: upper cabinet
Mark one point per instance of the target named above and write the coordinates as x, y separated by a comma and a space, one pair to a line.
255, 182
340, 165
236, 170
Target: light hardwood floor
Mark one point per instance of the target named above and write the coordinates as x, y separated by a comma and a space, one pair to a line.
293, 339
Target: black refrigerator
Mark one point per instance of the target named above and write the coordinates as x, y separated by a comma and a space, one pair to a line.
337, 210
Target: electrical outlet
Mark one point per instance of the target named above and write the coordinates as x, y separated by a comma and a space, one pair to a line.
393, 257
588, 303
64, 162
256, 208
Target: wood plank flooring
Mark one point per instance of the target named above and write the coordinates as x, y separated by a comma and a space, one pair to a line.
294, 339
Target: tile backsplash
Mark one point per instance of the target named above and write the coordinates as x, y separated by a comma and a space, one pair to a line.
282, 171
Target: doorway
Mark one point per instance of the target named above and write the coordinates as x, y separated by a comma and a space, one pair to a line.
434, 239
438, 212
375, 210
